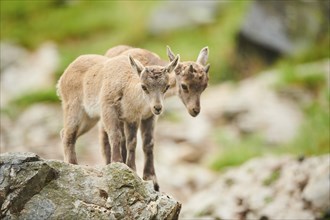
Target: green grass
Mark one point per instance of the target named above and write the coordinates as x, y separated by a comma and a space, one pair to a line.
82, 28
305, 77
235, 151
272, 178
32, 22
15, 107
86, 27
35, 97
93, 27
313, 137
171, 116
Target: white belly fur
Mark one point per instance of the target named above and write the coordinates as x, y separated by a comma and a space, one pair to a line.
92, 108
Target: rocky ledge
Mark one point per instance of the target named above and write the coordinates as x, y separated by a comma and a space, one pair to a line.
33, 188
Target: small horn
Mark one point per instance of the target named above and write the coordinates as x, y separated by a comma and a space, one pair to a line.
191, 68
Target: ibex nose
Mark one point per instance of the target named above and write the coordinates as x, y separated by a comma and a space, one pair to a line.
158, 108
196, 110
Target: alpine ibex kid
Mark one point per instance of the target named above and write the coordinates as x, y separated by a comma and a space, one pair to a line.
119, 91
188, 81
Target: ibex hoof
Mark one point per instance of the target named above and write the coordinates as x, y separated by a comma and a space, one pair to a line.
154, 181
156, 187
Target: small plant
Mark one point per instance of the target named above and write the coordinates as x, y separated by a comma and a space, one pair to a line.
229, 182
273, 177
236, 151
308, 78
268, 199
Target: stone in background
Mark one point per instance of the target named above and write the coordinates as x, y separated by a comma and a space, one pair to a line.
23, 71
266, 188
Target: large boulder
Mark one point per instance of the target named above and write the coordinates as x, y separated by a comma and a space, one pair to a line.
181, 14
32, 188
286, 27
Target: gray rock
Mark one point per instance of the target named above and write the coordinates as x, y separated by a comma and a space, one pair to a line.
31, 71
32, 188
256, 107
11, 55
278, 188
177, 14
284, 26
317, 190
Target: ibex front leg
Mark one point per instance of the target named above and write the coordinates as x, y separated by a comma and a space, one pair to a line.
147, 132
130, 132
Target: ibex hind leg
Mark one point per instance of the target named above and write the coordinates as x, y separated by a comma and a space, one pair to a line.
76, 123
105, 145
123, 146
72, 119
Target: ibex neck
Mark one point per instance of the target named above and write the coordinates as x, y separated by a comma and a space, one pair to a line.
172, 89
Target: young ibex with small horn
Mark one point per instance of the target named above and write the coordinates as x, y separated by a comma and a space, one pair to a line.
119, 91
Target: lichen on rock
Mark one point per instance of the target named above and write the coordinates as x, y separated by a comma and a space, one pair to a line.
32, 188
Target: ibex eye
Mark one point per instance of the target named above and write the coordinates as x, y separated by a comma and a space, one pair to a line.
166, 88
144, 88
184, 87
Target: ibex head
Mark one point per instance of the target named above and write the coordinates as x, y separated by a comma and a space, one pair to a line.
192, 79
154, 81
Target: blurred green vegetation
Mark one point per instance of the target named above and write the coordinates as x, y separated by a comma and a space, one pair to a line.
313, 137
91, 27
33, 97
85, 27
272, 178
235, 150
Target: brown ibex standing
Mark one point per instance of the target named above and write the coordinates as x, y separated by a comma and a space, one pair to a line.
188, 81
119, 91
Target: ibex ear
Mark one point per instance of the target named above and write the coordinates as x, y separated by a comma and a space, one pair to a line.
170, 54
203, 56
207, 68
136, 65
174, 64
